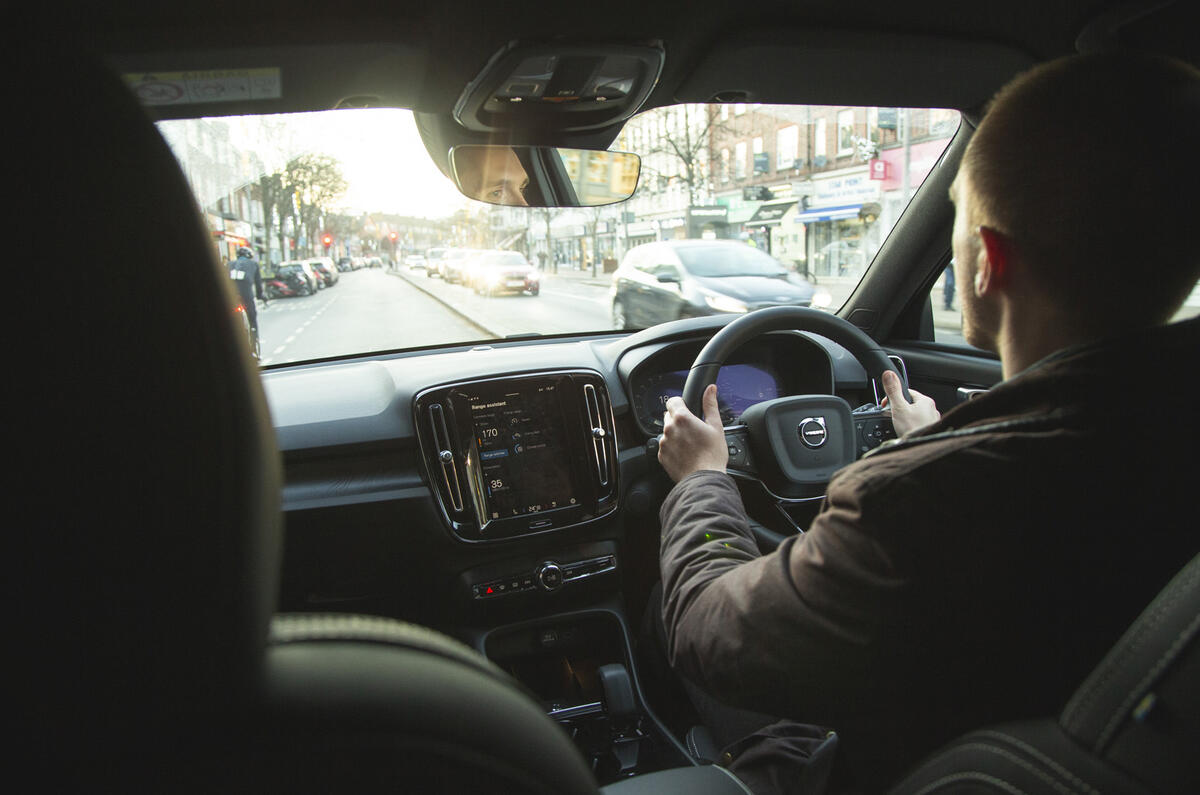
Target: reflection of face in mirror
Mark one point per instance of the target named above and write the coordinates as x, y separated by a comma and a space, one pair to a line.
491, 174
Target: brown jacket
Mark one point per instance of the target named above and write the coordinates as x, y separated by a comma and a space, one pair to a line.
970, 574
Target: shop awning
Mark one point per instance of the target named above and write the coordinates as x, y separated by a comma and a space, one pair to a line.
770, 212
838, 213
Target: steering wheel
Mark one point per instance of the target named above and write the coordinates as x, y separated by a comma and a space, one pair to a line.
793, 445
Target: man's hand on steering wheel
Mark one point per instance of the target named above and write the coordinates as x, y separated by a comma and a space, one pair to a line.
690, 444
907, 417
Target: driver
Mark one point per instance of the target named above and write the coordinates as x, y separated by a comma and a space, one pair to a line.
975, 570
492, 174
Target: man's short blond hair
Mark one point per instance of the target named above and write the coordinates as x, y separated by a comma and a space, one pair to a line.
1086, 163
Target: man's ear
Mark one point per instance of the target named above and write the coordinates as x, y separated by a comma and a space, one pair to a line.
994, 270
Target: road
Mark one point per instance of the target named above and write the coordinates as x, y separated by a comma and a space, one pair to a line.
375, 310
565, 304
367, 310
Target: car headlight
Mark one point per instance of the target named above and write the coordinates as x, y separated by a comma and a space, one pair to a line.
723, 303
822, 299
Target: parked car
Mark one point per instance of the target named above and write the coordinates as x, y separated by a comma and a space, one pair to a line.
374, 262
344, 264
495, 272
415, 262
357, 263
434, 259
299, 275
675, 279
325, 269
456, 263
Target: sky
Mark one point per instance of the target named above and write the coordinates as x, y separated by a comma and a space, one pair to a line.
383, 158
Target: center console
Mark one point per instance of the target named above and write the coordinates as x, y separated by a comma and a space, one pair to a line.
525, 454
580, 667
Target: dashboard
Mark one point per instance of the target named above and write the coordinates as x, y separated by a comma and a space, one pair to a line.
416, 481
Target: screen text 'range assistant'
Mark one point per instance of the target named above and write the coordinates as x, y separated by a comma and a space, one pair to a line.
520, 438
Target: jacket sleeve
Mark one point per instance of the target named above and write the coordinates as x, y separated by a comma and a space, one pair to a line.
801, 632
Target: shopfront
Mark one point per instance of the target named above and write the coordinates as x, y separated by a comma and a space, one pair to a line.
761, 228
840, 224
708, 222
640, 232
228, 236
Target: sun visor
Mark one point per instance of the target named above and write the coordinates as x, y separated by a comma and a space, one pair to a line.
846, 68
261, 80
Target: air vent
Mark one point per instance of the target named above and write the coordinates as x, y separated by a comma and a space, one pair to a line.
445, 455
598, 431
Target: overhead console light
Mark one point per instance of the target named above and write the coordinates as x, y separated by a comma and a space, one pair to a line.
559, 88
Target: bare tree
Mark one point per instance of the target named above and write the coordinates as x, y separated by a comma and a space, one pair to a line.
687, 148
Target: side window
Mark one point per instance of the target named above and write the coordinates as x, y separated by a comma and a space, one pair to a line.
945, 298
645, 261
946, 302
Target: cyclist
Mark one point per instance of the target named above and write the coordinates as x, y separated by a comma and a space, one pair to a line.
248, 281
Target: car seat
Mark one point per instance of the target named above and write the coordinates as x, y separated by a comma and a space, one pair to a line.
148, 554
1132, 727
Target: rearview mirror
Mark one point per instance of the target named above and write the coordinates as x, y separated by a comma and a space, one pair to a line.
544, 176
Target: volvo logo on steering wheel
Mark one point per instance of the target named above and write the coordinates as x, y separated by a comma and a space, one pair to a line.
812, 431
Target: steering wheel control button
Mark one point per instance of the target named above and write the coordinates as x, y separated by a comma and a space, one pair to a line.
813, 432
873, 432
549, 576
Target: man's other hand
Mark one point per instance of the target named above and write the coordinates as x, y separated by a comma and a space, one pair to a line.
690, 444
907, 417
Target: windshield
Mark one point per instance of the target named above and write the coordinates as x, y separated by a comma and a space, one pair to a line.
812, 191
727, 260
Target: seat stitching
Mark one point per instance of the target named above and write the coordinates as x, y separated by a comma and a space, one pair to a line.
1043, 758
1116, 664
1142, 629
971, 775
1011, 757
1167, 657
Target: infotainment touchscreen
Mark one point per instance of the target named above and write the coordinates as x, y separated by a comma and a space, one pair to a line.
520, 436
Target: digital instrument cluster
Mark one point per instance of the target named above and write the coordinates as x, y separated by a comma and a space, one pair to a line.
773, 367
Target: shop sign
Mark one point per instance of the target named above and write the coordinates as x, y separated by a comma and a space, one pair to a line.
717, 211
846, 189
879, 168
922, 158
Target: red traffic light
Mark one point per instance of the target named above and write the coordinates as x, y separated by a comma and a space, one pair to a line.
327, 240
392, 235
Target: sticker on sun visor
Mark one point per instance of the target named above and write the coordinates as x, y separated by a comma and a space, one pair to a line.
219, 85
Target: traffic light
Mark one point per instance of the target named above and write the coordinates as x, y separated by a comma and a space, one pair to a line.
392, 235
327, 240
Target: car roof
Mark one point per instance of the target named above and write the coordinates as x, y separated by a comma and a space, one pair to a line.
922, 53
